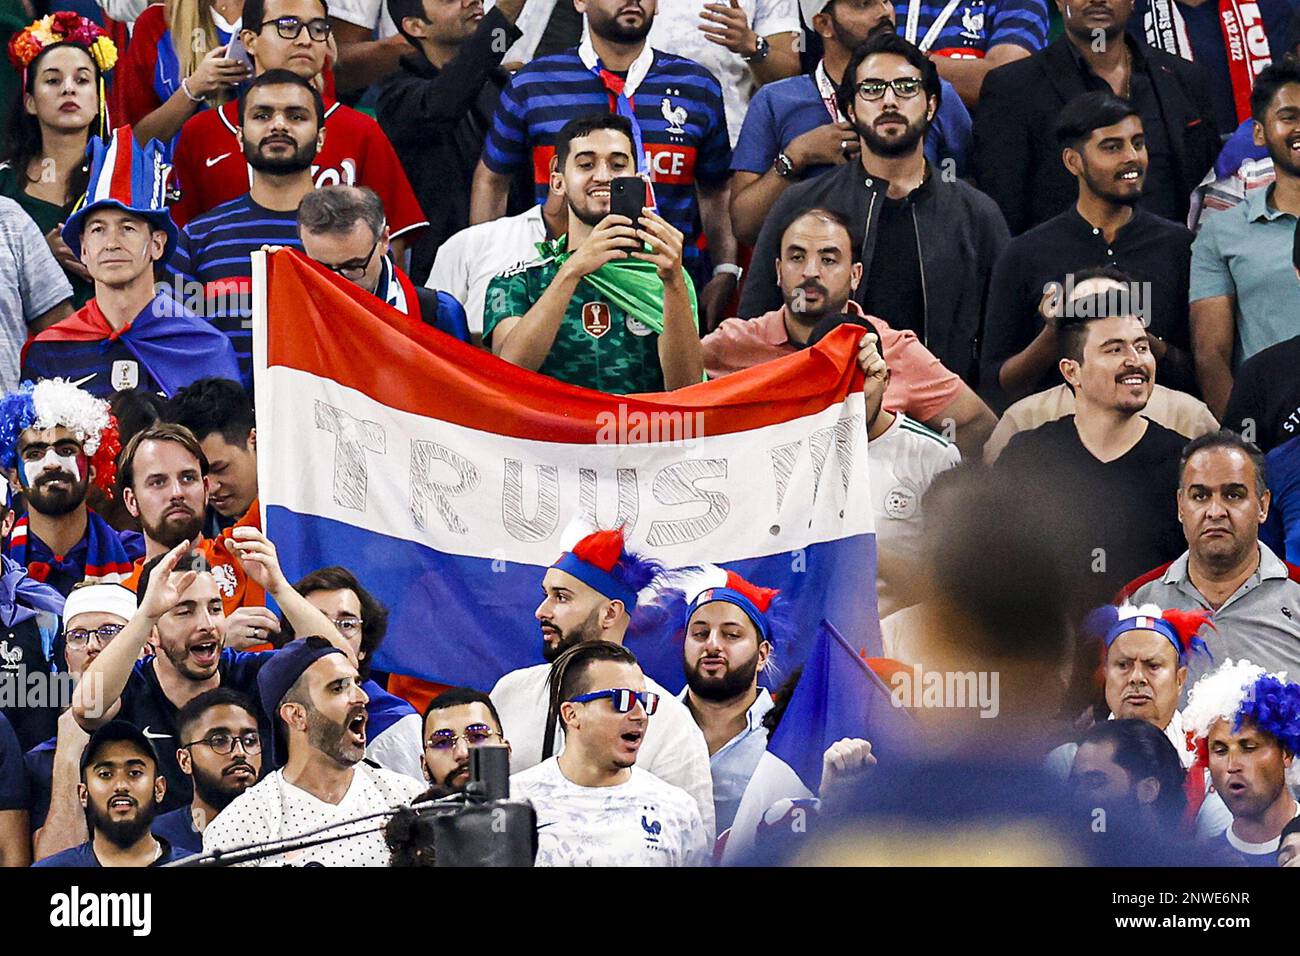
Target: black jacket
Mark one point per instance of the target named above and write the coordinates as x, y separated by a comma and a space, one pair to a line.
960, 232
1017, 160
437, 121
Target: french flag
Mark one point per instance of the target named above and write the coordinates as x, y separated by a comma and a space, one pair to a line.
838, 695
445, 478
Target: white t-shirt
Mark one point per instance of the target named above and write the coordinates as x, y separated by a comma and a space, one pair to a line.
902, 462
471, 258
365, 13
400, 747
677, 30
643, 822
274, 809
673, 748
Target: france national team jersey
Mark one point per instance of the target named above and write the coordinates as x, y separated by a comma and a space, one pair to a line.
677, 103
213, 272
969, 28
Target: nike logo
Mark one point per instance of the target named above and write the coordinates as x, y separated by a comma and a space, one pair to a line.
215, 159
82, 381
155, 736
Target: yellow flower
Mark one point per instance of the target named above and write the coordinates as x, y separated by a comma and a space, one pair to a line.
105, 53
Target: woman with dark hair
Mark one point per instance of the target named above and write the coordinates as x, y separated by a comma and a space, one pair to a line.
63, 59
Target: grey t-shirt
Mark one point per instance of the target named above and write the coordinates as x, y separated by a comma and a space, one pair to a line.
31, 283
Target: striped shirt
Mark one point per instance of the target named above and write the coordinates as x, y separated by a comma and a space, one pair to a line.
677, 103
213, 256
970, 28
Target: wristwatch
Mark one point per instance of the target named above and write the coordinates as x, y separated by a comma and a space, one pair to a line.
783, 165
728, 268
761, 50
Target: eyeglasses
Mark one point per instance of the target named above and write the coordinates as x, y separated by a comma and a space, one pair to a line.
349, 626
80, 636
224, 743
290, 27
622, 698
353, 269
475, 735
904, 88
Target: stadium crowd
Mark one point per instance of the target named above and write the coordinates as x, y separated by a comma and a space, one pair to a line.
1066, 238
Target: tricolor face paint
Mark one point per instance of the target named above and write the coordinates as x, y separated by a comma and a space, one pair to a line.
60, 457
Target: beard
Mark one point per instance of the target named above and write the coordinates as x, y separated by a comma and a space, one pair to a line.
734, 682
171, 531
1105, 188
280, 166
55, 504
851, 41
810, 317
1281, 155
898, 146
333, 739
608, 28
213, 788
124, 833
588, 631
586, 217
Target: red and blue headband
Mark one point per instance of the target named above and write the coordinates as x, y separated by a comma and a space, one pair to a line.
1180, 628
601, 562
750, 598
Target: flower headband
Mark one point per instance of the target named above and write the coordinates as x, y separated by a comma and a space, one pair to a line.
62, 27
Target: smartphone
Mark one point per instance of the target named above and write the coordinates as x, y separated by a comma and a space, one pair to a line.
236, 50
628, 195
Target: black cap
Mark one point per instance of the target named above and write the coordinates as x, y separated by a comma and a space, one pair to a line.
833, 322
280, 673
112, 732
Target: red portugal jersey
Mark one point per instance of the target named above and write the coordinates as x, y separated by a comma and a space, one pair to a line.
209, 166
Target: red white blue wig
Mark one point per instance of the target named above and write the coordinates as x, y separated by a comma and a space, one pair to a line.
1239, 691
54, 403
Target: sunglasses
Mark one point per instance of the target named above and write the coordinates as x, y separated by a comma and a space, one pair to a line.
475, 735
622, 699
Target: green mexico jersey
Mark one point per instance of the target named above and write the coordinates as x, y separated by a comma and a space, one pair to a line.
599, 345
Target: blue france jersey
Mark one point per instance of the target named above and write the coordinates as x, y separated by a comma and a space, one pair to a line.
972, 27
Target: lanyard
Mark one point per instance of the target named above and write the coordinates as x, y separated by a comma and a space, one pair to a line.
827, 91
623, 107
941, 21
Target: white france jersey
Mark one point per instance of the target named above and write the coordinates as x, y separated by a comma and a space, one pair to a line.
274, 809
902, 462
673, 748
643, 822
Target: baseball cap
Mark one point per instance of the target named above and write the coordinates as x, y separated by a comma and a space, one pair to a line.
279, 674
113, 731
810, 9
832, 322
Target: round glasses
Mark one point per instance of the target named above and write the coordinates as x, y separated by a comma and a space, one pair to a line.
904, 89
78, 637
224, 743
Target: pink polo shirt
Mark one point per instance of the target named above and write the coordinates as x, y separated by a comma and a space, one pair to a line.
919, 384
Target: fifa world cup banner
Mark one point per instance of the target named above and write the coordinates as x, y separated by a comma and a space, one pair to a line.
449, 480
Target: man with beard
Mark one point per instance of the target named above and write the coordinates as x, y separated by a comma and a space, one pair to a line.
221, 750
794, 129
1243, 290
928, 244
314, 692
598, 311
57, 439
162, 479
121, 789
1248, 718
457, 720
589, 595
1017, 160
1104, 471
818, 275
281, 130
728, 644
679, 133
1104, 145
595, 806
181, 614
211, 166
1223, 498
131, 334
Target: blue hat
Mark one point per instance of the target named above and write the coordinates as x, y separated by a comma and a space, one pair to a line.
279, 674
127, 176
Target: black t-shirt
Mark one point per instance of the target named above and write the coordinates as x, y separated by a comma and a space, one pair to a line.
1118, 519
894, 290
1265, 400
146, 706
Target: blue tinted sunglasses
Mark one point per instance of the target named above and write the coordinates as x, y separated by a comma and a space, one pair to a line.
622, 698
